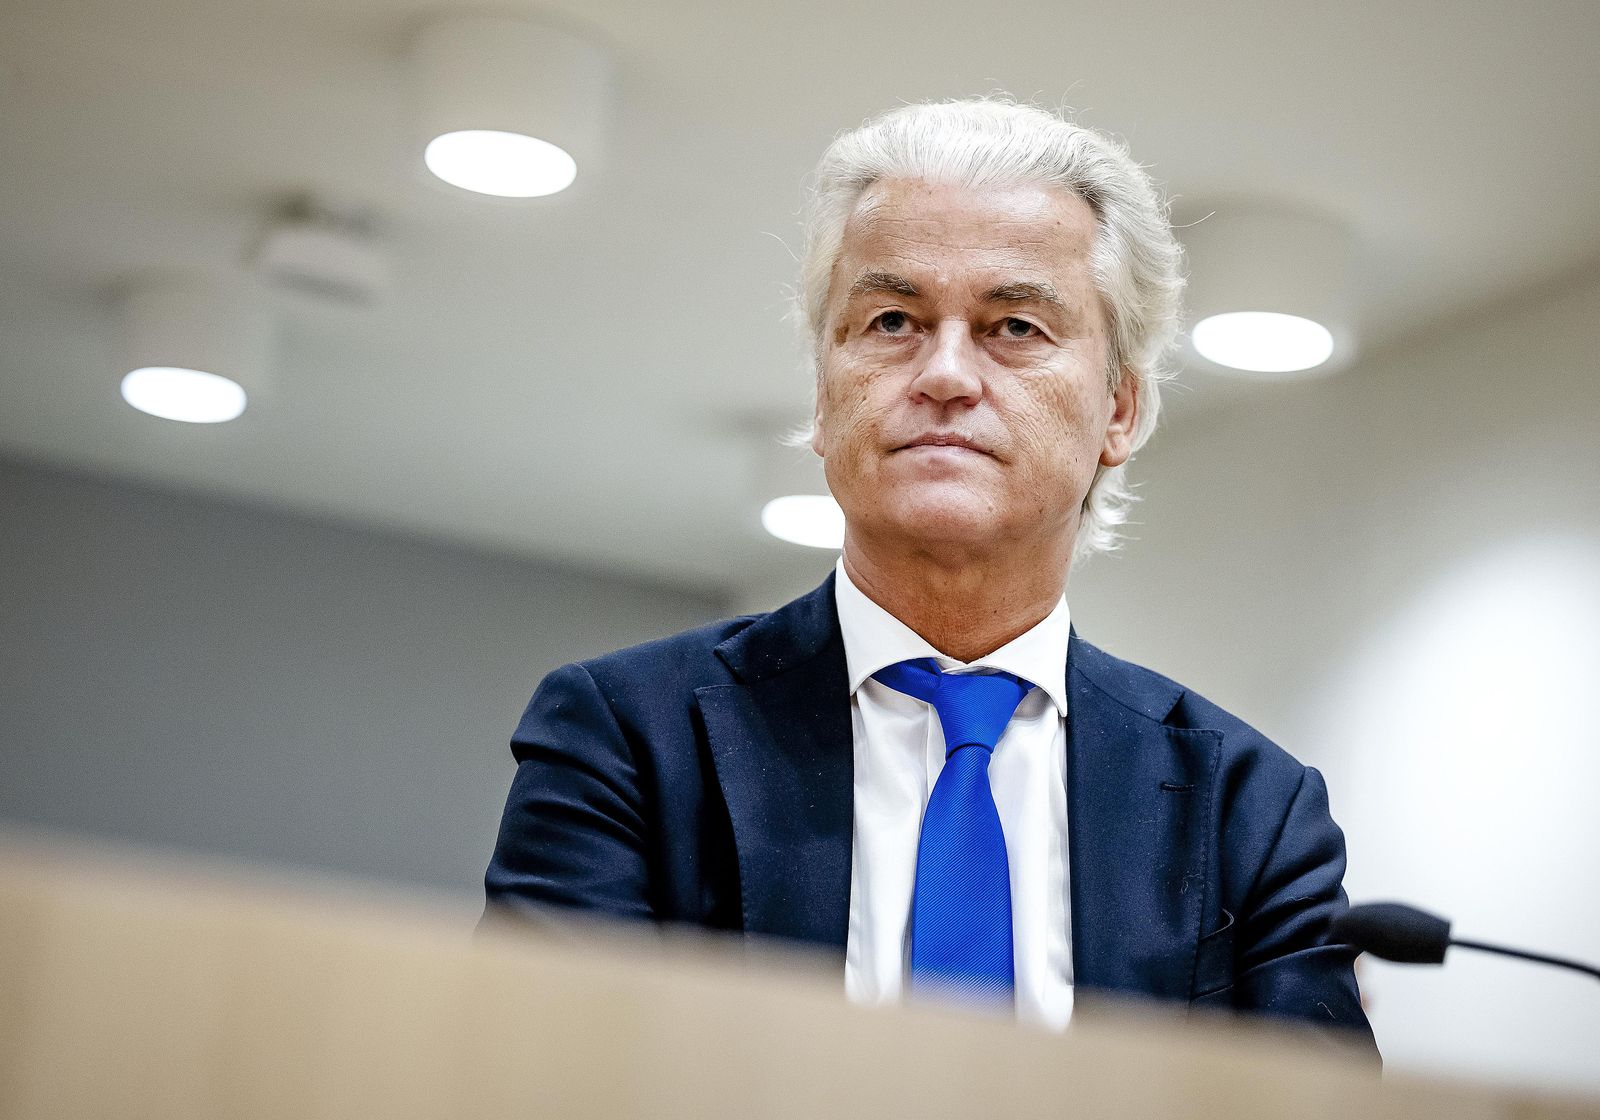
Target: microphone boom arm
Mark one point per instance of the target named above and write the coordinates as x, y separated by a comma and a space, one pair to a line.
1560, 962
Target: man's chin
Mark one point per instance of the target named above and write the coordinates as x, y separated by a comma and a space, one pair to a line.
933, 520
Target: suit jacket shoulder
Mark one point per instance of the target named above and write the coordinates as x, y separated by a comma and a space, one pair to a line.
702, 778
1153, 696
657, 677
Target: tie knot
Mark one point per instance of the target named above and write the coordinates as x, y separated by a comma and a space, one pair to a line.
973, 708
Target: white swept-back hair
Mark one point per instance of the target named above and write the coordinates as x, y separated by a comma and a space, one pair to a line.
980, 142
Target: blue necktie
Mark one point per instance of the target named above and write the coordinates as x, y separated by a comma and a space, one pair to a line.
961, 908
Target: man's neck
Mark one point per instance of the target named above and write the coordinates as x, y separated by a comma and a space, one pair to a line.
964, 610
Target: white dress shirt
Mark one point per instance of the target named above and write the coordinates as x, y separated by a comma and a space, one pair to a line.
899, 751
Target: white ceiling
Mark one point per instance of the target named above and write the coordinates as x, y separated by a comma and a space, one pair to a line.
578, 376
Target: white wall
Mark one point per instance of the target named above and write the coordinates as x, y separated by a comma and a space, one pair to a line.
1396, 573
228, 680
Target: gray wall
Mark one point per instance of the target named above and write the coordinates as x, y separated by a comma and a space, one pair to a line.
181, 672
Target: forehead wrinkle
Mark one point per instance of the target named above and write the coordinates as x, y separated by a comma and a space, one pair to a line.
1062, 214
990, 246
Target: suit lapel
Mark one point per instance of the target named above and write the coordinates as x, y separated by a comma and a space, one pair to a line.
780, 742
1138, 799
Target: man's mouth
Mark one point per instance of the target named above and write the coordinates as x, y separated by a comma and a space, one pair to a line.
944, 439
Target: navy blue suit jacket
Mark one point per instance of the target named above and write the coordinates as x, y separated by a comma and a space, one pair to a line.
707, 779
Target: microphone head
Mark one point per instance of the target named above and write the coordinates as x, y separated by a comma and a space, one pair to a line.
1394, 932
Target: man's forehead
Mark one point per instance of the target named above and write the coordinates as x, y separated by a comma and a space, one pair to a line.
947, 233
988, 212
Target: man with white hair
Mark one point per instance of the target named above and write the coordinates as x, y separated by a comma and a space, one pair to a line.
919, 764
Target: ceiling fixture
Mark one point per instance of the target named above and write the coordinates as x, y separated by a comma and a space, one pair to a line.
788, 485
192, 347
809, 519
1263, 341
507, 106
319, 248
191, 395
1269, 290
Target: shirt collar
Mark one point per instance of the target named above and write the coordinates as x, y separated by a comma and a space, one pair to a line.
874, 638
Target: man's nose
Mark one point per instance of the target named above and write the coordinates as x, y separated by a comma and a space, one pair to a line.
950, 364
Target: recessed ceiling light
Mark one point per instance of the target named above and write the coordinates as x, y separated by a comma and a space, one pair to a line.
507, 106
1263, 341
1271, 288
196, 347
809, 519
506, 164
190, 395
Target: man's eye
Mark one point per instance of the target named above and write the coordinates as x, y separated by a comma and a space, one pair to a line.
891, 322
1018, 328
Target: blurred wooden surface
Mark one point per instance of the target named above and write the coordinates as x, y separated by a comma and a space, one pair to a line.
136, 989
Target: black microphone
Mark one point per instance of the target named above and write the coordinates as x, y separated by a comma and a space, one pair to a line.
1394, 931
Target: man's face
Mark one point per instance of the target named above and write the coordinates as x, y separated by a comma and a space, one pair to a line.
963, 402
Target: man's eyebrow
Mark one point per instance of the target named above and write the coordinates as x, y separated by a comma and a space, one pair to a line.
1024, 291
870, 282
1015, 291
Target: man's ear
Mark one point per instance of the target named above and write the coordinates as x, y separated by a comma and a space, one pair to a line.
1118, 443
817, 443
